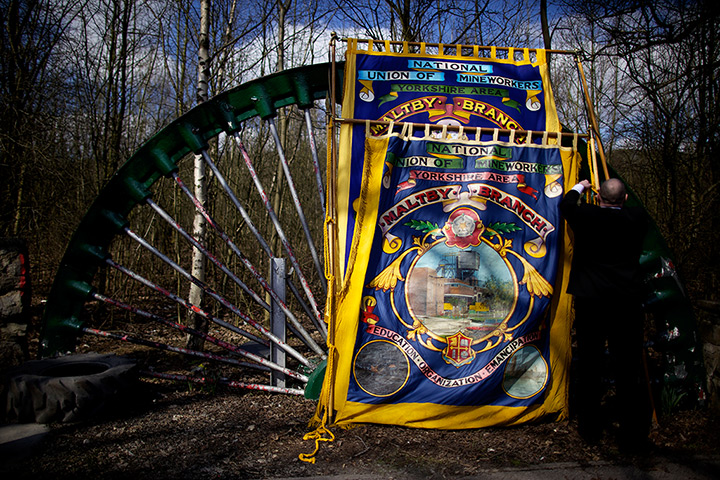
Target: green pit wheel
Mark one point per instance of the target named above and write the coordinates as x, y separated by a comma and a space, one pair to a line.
131, 250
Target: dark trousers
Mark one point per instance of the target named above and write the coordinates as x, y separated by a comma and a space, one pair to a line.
615, 325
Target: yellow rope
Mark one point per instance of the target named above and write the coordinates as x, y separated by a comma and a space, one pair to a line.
319, 435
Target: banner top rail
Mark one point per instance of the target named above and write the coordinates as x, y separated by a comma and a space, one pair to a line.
465, 46
456, 128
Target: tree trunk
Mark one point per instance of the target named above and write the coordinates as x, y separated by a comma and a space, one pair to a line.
199, 227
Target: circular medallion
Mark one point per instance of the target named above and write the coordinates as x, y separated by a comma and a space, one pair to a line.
381, 368
526, 373
454, 290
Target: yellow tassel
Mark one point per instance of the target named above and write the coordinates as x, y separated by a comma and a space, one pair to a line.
319, 436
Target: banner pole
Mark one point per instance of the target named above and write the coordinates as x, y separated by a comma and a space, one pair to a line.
332, 171
332, 231
459, 47
593, 162
456, 128
591, 115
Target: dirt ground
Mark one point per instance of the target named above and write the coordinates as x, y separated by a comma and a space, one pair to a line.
175, 431
199, 435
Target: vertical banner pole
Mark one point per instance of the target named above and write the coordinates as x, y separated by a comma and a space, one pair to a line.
593, 161
591, 116
332, 254
331, 203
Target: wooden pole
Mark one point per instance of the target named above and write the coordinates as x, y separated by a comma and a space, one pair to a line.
334, 282
461, 46
456, 128
332, 214
591, 116
593, 164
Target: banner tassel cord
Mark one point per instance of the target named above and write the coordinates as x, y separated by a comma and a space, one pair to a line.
320, 434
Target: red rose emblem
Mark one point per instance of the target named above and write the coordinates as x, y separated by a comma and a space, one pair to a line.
463, 228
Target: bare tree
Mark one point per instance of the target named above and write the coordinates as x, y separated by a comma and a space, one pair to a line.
657, 68
31, 86
480, 22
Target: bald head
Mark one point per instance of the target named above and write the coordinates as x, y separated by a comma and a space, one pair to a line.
612, 192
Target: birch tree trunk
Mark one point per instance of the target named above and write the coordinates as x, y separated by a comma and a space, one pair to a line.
199, 227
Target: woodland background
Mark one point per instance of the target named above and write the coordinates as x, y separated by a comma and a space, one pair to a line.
84, 83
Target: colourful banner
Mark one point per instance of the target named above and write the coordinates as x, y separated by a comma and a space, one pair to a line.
452, 245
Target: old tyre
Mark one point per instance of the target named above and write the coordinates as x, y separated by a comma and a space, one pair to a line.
70, 388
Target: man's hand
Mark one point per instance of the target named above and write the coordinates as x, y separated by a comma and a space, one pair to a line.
586, 184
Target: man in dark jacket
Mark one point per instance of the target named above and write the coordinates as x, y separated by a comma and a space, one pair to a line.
607, 288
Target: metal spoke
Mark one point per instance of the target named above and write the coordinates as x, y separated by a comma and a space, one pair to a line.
191, 331
165, 216
308, 340
199, 207
212, 293
193, 241
162, 346
185, 303
296, 201
233, 198
281, 234
316, 162
261, 240
225, 382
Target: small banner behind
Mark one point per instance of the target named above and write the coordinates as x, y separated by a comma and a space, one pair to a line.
446, 316
503, 88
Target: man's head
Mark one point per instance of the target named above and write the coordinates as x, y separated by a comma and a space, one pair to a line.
612, 192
